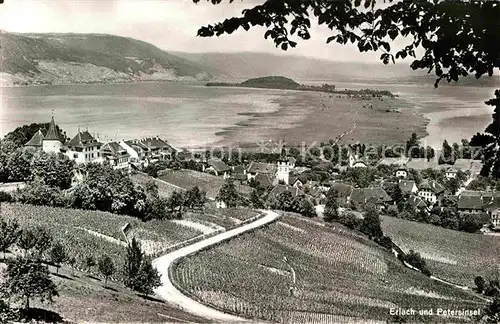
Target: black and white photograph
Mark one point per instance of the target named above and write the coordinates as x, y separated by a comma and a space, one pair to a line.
249, 161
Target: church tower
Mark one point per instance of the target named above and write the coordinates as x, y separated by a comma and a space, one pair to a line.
53, 140
283, 173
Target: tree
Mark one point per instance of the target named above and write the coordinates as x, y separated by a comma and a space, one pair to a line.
480, 284
23, 134
9, 233
194, 199
331, 212
490, 141
350, 220
413, 146
228, 194
140, 275
71, 261
446, 156
55, 170
256, 199
371, 223
57, 254
27, 279
27, 240
306, 207
43, 240
106, 267
89, 263
415, 260
175, 204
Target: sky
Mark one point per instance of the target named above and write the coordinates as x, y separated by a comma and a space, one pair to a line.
168, 24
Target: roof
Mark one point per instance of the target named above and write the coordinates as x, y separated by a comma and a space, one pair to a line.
265, 180
239, 169
136, 145
36, 139
493, 203
402, 168
218, 165
451, 169
416, 202
293, 179
279, 189
82, 139
292, 160
386, 185
406, 186
263, 168
53, 134
472, 201
155, 143
365, 195
343, 190
315, 192
238, 176
394, 161
431, 185
114, 148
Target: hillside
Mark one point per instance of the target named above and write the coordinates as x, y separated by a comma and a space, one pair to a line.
273, 82
250, 65
89, 58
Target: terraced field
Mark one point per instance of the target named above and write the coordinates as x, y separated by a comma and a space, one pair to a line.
340, 276
72, 226
452, 255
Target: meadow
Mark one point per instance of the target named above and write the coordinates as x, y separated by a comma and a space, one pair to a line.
206, 182
340, 277
451, 255
164, 189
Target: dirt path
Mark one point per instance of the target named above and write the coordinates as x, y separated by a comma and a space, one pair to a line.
171, 294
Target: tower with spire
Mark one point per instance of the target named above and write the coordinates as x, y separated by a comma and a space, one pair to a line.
283, 172
53, 140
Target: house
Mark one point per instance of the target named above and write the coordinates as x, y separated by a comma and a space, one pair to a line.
417, 203
401, 172
239, 173
291, 162
492, 208
375, 195
115, 155
83, 148
256, 168
283, 172
51, 141
136, 150
430, 191
273, 196
473, 202
423, 163
36, 141
316, 195
296, 182
343, 191
408, 187
266, 181
157, 148
218, 167
450, 172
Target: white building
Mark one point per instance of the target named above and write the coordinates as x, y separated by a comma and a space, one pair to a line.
53, 141
401, 172
450, 173
83, 148
283, 172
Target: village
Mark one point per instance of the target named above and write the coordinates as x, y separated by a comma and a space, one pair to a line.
401, 186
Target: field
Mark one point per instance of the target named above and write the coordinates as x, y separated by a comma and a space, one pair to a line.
209, 183
72, 227
340, 276
451, 255
164, 189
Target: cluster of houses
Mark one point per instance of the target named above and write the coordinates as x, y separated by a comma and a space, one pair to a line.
85, 148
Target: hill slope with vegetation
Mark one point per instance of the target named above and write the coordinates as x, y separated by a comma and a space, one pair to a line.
90, 58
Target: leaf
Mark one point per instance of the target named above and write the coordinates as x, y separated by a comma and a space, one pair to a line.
386, 46
331, 38
367, 3
393, 33
357, 3
284, 46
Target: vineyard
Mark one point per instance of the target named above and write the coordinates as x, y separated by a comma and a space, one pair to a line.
339, 276
164, 189
209, 183
70, 227
455, 256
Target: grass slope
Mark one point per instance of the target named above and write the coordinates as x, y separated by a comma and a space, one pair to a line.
340, 277
452, 255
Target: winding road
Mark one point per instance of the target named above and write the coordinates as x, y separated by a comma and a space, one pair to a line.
171, 294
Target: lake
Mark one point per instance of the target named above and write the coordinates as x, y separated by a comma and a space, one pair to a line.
191, 115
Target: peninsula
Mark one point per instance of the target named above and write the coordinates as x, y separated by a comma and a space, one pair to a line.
281, 82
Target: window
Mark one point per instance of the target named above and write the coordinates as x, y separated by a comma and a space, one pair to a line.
75, 155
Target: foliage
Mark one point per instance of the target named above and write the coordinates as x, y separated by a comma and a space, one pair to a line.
40, 194
140, 275
57, 254
306, 208
480, 283
27, 240
43, 240
55, 170
175, 204
194, 199
331, 206
26, 279
350, 220
256, 199
228, 194
89, 262
414, 259
492, 312
371, 222
106, 267
5, 197
9, 233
